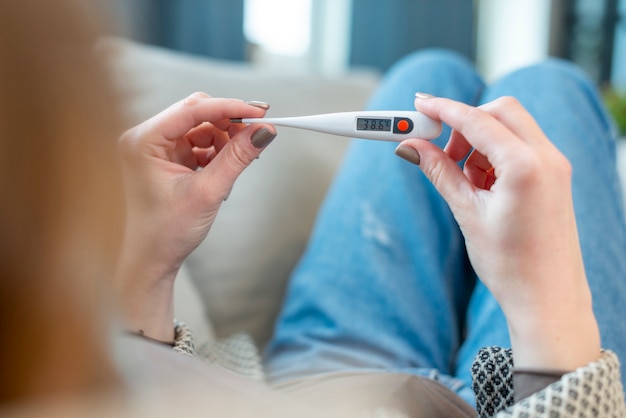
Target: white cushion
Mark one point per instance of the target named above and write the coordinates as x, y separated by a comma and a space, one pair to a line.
190, 308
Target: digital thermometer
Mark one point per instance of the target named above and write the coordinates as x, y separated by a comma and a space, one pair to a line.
383, 125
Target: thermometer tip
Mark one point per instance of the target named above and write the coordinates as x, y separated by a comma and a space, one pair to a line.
236, 120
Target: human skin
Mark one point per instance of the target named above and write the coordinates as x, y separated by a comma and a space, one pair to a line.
513, 202
179, 166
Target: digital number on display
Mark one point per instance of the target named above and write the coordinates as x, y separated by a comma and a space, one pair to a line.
366, 124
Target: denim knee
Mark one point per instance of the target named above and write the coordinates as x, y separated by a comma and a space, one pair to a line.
436, 60
438, 72
554, 85
557, 73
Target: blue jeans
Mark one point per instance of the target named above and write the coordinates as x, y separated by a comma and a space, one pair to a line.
385, 283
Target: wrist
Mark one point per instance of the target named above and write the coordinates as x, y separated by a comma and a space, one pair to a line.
145, 290
147, 310
555, 342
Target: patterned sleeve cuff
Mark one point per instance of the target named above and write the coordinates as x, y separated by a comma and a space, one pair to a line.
492, 380
591, 390
237, 353
183, 339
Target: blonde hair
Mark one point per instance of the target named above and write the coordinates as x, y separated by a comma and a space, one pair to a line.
61, 211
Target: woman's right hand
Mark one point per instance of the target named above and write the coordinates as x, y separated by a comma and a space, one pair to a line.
513, 203
179, 166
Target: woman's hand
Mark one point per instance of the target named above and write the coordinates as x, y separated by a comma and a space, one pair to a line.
179, 166
513, 203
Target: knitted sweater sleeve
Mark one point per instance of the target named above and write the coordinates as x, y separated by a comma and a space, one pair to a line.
590, 391
237, 353
183, 339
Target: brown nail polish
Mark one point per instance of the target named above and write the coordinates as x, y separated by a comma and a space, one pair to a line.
262, 137
409, 154
257, 103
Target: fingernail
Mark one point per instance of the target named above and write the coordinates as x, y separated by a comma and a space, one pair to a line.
262, 137
409, 154
256, 103
420, 95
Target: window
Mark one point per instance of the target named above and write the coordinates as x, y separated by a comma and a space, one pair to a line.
279, 27
594, 37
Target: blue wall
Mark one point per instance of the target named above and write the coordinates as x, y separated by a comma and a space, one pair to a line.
384, 31
205, 27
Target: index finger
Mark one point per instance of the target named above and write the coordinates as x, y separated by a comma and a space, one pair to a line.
181, 117
479, 128
510, 112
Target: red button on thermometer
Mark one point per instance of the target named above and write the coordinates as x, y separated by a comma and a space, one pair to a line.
382, 125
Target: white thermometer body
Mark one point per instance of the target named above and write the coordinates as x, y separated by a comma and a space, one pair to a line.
382, 125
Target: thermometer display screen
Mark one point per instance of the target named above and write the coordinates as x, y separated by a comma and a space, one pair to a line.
368, 124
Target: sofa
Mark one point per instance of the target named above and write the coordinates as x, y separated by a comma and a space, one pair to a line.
235, 281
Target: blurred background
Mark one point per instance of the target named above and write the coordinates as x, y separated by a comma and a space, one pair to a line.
333, 36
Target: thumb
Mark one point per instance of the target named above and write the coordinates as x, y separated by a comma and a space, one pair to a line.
242, 149
442, 171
